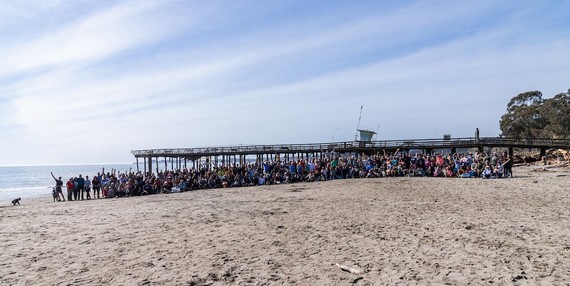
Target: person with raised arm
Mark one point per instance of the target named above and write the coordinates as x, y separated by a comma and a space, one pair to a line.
58, 186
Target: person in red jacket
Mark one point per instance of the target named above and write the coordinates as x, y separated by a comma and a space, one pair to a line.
69, 186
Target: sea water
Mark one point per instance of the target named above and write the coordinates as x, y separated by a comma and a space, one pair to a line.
34, 181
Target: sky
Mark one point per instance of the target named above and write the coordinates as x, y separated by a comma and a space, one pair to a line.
86, 82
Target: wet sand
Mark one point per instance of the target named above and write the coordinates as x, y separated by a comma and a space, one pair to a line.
391, 231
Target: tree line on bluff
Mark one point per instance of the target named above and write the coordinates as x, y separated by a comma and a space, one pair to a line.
531, 116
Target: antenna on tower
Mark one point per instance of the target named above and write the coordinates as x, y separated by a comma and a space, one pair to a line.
377, 129
358, 126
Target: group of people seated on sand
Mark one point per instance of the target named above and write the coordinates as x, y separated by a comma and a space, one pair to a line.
478, 165
400, 164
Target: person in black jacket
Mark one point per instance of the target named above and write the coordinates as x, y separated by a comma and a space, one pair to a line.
508, 167
58, 186
80, 185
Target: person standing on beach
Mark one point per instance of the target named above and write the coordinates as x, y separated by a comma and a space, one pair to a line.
58, 186
80, 186
105, 185
75, 189
96, 187
508, 167
70, 187
87, 188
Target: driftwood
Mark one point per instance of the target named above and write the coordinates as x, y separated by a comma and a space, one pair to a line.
517, 159
348, 269
551, 157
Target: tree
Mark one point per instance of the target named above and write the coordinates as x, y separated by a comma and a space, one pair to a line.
557, 110
530, 116
524, 118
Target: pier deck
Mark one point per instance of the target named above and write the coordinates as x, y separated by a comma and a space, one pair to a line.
239, 152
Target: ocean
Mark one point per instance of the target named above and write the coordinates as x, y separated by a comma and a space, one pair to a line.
35, 181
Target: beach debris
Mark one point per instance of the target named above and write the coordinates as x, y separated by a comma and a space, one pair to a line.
552, 157
519, 277
349, 269
357, 279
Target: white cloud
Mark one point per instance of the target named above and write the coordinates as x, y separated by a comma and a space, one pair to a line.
124, 26
124, 78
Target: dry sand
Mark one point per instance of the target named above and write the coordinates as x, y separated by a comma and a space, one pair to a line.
396, 231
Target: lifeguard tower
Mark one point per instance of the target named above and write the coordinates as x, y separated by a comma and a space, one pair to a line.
365, 137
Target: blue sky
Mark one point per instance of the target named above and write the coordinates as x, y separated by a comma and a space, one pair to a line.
89, 81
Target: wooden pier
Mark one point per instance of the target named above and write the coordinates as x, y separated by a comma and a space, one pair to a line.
238, 154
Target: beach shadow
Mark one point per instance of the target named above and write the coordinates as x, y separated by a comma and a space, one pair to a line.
297, 190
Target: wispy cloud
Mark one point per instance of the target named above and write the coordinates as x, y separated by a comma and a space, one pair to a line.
130, 75
91, 39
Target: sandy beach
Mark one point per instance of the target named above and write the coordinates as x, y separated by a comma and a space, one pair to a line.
388, 231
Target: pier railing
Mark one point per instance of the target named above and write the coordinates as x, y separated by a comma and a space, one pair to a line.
468, 142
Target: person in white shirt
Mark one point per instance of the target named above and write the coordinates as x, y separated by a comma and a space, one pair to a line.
87, 187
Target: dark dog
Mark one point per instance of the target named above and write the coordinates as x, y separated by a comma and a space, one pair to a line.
16, 201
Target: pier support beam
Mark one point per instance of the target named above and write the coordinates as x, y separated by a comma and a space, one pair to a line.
542, 152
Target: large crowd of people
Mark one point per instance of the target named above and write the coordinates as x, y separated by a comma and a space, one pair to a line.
400, 164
